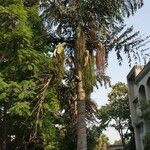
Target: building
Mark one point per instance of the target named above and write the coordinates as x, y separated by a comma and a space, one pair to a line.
139, 96
115, 147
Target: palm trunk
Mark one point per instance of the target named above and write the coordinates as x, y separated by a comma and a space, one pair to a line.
81, 125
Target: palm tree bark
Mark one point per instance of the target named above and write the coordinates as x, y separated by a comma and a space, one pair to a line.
81, 125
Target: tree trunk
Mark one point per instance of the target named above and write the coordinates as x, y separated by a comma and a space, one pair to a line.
81, 126
81, 110
121, 135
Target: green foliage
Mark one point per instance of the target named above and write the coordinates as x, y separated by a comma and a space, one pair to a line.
116, 113
89, 77
7, 3
31, 61
119, 102
3, 87
118, 107
93, 135
15, 31
20, 109
102, 142
17, 91
29, 107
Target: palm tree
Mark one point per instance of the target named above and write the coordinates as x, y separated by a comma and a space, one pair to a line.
90, 30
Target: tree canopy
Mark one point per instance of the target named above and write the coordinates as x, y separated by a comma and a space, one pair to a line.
116, 113
29, 106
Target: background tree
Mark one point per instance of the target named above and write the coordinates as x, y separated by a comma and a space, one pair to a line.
29, 107
102, 143
93, 134
117, 113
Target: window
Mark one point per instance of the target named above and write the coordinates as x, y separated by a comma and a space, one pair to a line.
142, 94
148, 88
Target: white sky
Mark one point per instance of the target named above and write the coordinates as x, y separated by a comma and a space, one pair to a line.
141, 22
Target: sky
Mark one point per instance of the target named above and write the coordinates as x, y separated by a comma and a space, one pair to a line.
141, 22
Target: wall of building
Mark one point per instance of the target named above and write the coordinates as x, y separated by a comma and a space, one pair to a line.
115, 147
139, 92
